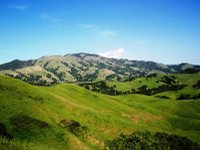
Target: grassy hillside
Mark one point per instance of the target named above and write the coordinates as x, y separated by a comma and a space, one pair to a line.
188, 80
68, 116
83, 67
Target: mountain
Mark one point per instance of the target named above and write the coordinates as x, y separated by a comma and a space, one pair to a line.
66, 116
160, 104
81, 67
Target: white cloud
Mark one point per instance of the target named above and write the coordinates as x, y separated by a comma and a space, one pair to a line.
50, 18
117, 53
18, 6
88, 26
105, 34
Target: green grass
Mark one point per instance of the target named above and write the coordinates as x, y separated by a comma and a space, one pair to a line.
138, 82
188, 79
105, 117
21, 145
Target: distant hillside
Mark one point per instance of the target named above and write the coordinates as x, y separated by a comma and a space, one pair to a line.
86, 67
167, 86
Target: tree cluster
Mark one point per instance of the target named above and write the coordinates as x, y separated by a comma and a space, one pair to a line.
101, 87
188, 97
197, 85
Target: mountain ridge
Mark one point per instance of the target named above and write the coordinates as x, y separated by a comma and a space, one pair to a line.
85, 67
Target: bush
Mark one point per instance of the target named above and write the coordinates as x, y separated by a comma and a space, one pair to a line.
196, 96
184, 97
3, 132
168, 79
152, 75
151, 141
102, 87
190, 70
197, 85
74, 127
174, 87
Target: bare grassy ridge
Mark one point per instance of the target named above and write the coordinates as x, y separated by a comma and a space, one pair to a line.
83, 67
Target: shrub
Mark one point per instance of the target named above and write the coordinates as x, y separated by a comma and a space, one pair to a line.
74, 127
151, 141
3, 132
190, 70
152, 75
184, 97
197, 85
168, 79
102, 87
196, 96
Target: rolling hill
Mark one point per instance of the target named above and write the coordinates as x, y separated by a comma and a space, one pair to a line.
83, 67
67, 116
85, 100
168, 86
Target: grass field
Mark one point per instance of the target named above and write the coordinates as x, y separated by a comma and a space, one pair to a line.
68, 116
188, 79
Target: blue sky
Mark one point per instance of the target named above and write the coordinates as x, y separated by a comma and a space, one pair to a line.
166, 31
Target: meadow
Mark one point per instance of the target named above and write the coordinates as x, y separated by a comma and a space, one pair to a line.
66, 116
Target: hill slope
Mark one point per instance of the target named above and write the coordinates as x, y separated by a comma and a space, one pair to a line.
167, 86
86, 67
75, 118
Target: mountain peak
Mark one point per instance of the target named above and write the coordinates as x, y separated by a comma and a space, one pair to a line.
82, 55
